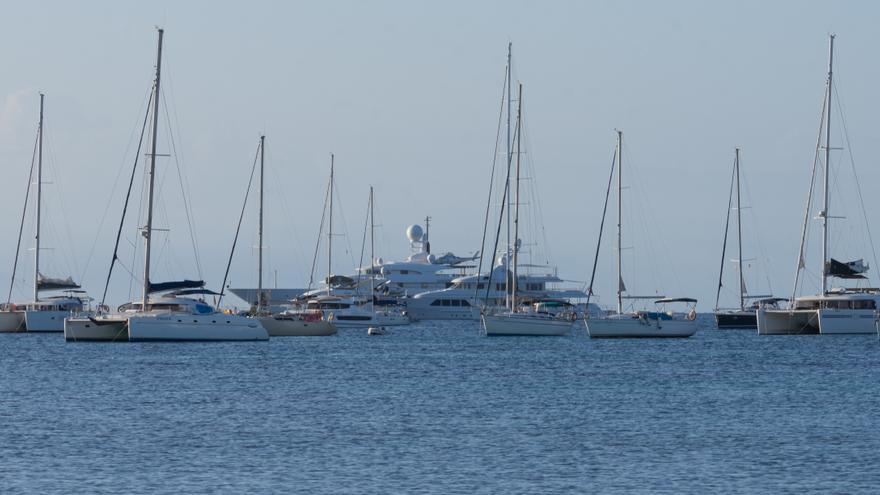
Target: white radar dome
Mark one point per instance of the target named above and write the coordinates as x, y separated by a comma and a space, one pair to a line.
414, 233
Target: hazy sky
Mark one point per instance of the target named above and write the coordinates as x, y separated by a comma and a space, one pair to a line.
406, 95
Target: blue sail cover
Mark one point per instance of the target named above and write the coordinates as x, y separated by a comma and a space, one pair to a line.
176, 285
852, 269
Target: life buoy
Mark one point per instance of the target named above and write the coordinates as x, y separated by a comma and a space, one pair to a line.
692, 315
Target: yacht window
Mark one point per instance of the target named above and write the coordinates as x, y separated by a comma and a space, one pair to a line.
446, 302
437, 302
864, 304
481, 286
404, 272
454, 302
464, 303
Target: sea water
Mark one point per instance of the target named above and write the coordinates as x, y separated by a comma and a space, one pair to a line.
438, 408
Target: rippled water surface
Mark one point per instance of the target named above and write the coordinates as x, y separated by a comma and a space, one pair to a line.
437, 408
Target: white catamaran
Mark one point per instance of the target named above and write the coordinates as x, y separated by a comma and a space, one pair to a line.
40, 314
173, 315
834, 310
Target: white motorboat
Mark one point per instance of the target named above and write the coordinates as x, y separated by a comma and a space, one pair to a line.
834, 310
637, 324
513, 321
167, 311
348, 313
46, 314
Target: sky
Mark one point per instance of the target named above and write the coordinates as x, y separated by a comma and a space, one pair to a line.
406, 95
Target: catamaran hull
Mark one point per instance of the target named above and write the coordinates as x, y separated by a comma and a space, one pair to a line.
289, 327
189, 328
95, 329
45, 321
736, 320
511, 325
821, 321
11, 321
639, 328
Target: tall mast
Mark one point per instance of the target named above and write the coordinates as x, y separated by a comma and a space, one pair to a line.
426, 239
148, 228
372, 250
330, 229
742, 284
825, 205
260, 229
509, 153
516, 201
39, 201
619, 215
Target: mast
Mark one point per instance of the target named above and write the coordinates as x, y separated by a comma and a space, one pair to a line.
426, 239
39, 201
742, 284
372, 252
148, 228
516, 201
619, 215
509, 157
330, 229
260, 229
825, 187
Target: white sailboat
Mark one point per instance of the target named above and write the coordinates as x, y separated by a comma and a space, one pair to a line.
40, 314
348, 310
284, 324
515, 320
833, 310
172, 316
639, 324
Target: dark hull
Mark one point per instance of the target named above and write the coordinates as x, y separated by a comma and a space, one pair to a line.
736, 320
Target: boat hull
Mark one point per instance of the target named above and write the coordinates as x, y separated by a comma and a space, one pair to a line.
788, 322
194, 328
45, 321
98, 329
736, 320
525, 325
639, 328
366, 320
281, 326
845, 322
11, 321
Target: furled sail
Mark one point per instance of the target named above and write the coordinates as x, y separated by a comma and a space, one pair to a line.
48, 283
852, 269
175, 285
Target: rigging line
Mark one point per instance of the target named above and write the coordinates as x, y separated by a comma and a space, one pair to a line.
127, 197
148, 97
763, 265
801, 262
238, 229
320, 232
23, 213
357, 287
184, 188
602, 227
852, 162
724, 243
491, 182
341, 211
498, 233
50, 163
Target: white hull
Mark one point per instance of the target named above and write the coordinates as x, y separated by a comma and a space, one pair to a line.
187, 327
164, 328
428, 312
11, 321
281, 326
813, 321
525, 325
98, 329
633, 327
45, 321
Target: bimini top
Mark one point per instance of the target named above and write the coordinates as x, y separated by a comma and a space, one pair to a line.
676, 299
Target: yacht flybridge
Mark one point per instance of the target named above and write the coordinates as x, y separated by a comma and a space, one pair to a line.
169, 311
833, 310
40, 314
640, 324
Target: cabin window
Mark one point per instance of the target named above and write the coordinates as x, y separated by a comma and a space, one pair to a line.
404, 272
864, 304
464, 303
437, 302
481, 286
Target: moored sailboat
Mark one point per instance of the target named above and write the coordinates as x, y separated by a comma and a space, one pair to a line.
639, 324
